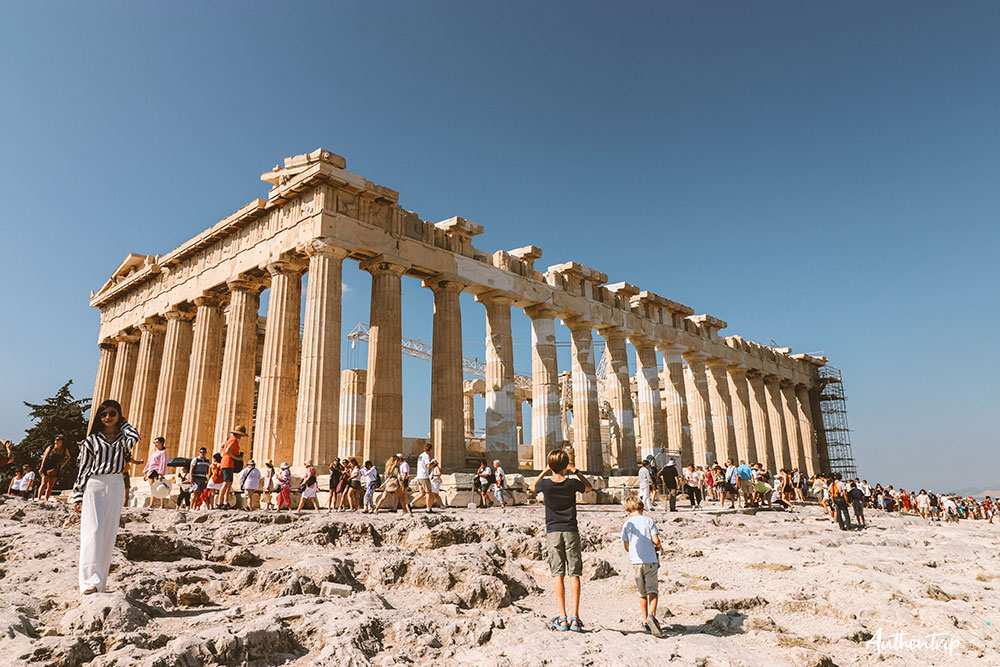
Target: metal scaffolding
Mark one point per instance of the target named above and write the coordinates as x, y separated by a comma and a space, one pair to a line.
833, 405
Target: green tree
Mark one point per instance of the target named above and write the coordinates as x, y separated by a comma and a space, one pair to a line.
59, 415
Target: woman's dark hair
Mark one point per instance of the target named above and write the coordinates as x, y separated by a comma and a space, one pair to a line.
105, 405
217, 457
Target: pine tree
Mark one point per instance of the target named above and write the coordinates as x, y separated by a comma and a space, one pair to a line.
59, 415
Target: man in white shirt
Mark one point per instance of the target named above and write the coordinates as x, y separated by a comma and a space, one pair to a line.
500, 484
250, 485
27, 481
423, 478
645, 485
404, 471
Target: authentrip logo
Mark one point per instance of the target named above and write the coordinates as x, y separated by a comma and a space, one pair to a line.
905, 641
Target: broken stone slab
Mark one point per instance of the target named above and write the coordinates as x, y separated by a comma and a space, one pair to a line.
330, 589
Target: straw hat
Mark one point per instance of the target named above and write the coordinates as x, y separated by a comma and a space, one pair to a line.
240, 430
284, 465
161, 489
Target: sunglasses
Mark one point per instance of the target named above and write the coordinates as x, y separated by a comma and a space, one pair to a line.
107, 414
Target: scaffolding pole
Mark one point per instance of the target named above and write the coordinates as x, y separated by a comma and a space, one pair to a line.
833, 406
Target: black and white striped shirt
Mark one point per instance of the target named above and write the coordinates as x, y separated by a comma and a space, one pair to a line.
100, 457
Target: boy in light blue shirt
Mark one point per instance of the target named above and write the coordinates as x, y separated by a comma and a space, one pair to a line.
641, 539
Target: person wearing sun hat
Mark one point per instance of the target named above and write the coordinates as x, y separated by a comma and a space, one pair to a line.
230, 455
285, 485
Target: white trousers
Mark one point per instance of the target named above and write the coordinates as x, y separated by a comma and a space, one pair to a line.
102, 509
646, 496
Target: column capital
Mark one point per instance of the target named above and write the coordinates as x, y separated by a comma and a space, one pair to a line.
666, 348
208, 300
612, 333
641, 342
285, 266
108, 344
494, 298
152, 325
717, 362
384, 264
785, 382
445, 283
177, 313
754, 373
576, 324
737, 369
695, 356
246, 283
324, 248
771, 379
542, 311
127, 337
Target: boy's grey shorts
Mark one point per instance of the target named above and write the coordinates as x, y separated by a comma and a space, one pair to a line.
645, 578
565, 557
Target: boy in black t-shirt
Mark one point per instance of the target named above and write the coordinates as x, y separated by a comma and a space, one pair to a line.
562, 533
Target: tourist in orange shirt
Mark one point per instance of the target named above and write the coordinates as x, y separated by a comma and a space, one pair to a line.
230, 455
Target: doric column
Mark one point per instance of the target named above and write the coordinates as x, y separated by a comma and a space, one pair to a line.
648, 395
469, 412
353, 382
586, 410
447, 395
274, 432
239, 361
722, 410
174, 366
384, 394
501, 422
808, 432
776, 420
546, 413
316, 415
123, 378
739, 393
102, 384
147, 376
678, 434
699, 408
201, 398
759, 417
819, 429
790, 404
618, 383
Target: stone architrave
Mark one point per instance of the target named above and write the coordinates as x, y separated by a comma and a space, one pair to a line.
501, 420
546, 410
105, 373
699, 409
739, 393
722, 411
274, 432
123, 378
353, 382
648, 398
586, 409
173, 381
384, 394
447, 409
759, 417
239, 361
147, 376
201, 399
776, 419
808, 431
796, 448
618, 383
678, 432
317, 411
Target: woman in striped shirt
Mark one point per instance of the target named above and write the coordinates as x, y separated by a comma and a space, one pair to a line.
99, 492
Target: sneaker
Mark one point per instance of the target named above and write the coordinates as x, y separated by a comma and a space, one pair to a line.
654, 626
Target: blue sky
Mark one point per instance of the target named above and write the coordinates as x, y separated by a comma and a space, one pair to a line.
823, 175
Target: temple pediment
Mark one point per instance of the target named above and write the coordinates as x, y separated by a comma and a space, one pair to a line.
132, 264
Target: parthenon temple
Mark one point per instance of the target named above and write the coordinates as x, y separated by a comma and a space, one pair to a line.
180, 346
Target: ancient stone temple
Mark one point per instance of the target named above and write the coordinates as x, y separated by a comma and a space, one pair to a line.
185, 350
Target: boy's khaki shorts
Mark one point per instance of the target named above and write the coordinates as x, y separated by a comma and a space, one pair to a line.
645, 578
565, 557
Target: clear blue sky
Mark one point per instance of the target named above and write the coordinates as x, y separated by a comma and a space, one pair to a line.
824, 175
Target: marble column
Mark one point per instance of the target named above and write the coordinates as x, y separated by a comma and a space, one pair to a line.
619, 386
675, 391
123, 378
776, 419
819, 430
759, 417
648, 398
808, 432
147, 376
239, 362
722, 411
586, 410
501, 421
274, 431
469, 412
546, 411
201, 399
353, 382
519, 421
102, 384
447, 395
699, 408
739, 393
317, 411
384, 393
174, 366
790, 404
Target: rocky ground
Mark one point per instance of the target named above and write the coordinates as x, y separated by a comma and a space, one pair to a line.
472, 587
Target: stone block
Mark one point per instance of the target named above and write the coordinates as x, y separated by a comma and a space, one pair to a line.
623, 481
457, 480
329, 589
589, 498
456, 498
516, 481
599, 483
